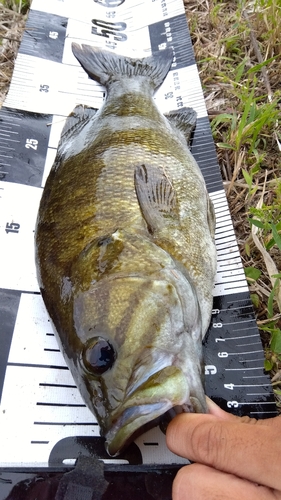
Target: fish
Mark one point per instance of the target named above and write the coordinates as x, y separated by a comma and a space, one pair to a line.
125, 250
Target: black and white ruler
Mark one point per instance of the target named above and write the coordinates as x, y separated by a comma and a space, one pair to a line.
43, 419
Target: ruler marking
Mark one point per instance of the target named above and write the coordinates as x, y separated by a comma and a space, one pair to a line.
232, 284
29, 365
253, 343
259, 393
243, 369
12, 140
231, 259
225, 227
61, 405
251, 385
252, 360
66, 423
45, 384
258, 402
230, 276
241, 302
273, 412
251, 320
246, 352
39, 442
9, 133
243, 329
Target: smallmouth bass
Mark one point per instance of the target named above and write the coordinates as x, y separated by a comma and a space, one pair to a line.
125, 250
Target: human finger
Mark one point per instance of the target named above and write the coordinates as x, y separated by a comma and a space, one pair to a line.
215, 410
248, 451
200, 482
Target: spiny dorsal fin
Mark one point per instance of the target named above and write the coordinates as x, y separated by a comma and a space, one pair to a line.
184, 120
105, 67
156, 196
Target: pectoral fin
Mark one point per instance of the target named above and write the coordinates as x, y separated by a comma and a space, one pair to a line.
156, 197
183, 120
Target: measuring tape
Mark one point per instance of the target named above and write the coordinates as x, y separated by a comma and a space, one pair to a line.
43, 420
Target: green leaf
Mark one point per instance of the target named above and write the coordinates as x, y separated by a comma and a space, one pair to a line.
276, 236
255, 169
252, 273
247, 249
270, 303
270, 244
257, 67
257, 223
240, 70
275, 344
224, 145
272, 294
268, 365
244, 119
248, 178
277, 391
255, 299
223, 118
253, 113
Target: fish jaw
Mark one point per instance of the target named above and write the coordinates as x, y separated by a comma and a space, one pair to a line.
163, 391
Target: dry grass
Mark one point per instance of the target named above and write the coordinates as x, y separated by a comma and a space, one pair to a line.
230, 39
11, 28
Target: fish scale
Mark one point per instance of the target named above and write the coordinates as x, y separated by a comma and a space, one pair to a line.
128, 180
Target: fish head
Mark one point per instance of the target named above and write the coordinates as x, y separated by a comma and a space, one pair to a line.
141, 351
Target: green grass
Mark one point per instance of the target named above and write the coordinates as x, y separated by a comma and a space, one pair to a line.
238, 50
20, 6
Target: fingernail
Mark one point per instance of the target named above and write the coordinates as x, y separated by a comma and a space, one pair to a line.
214, 409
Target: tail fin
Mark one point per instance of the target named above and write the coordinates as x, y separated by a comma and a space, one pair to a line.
105, 67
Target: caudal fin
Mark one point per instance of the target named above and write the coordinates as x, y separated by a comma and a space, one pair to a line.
105, 67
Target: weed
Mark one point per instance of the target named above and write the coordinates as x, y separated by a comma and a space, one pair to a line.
20, 6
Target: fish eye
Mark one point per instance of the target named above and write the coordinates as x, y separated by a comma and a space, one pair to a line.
99, 356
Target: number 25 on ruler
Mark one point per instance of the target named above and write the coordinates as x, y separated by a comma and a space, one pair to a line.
31, 143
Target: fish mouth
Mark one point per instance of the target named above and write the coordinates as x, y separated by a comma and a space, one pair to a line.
164, 395
132, 422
